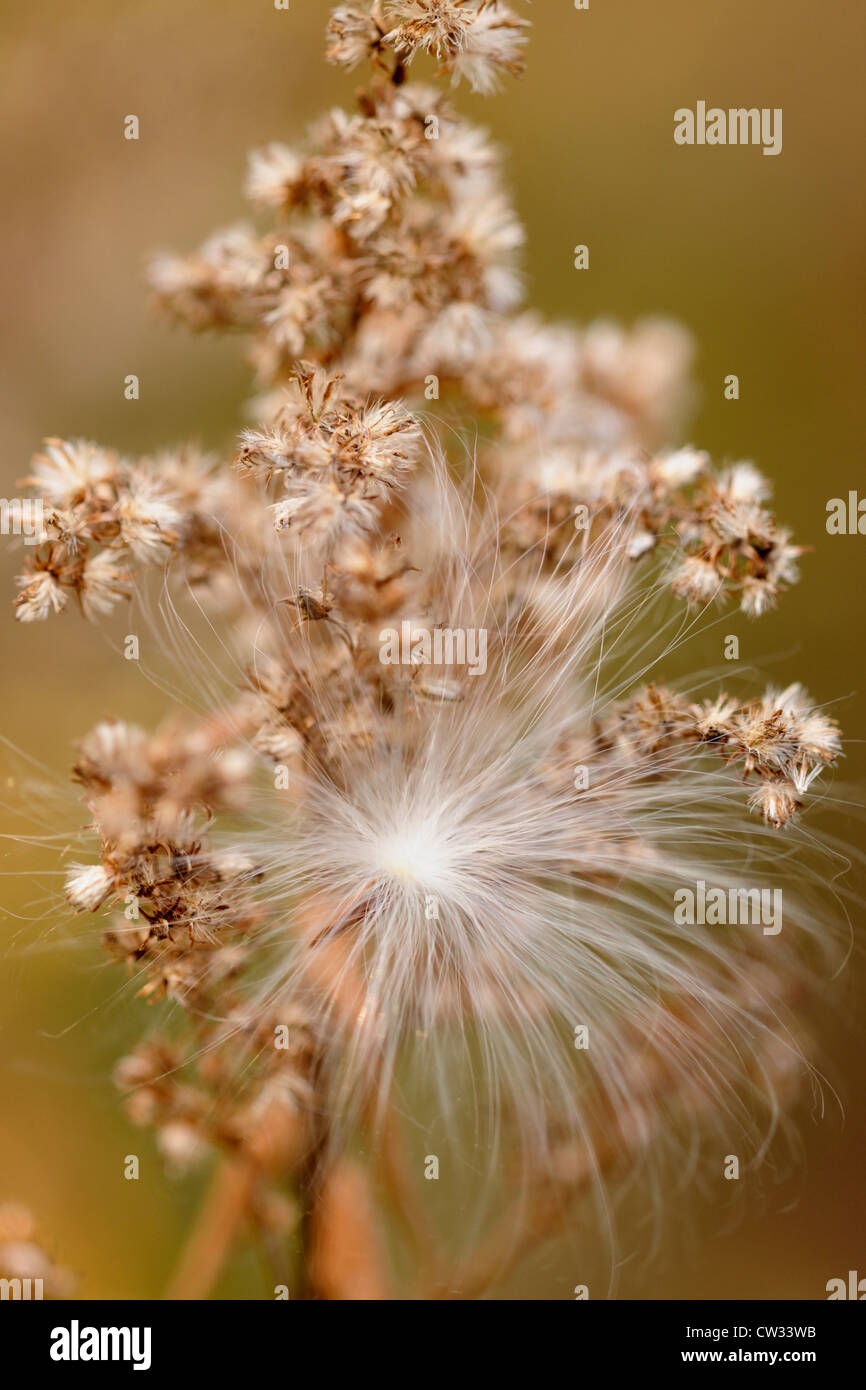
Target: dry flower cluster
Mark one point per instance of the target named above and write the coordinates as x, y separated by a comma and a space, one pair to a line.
416, 882
23, 1258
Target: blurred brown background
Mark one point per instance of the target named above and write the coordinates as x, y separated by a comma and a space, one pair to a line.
761, 257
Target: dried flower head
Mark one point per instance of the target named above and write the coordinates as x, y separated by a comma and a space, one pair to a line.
31, 1273
439, 826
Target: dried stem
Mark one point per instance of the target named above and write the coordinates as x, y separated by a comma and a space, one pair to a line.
215, 1232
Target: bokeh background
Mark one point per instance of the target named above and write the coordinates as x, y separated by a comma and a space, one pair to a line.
762, 258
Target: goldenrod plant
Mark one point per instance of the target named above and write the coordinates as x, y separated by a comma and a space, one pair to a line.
416, 853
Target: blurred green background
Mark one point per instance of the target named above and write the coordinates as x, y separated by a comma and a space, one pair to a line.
762, 258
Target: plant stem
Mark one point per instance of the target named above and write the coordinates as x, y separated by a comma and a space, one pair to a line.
215, 1231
